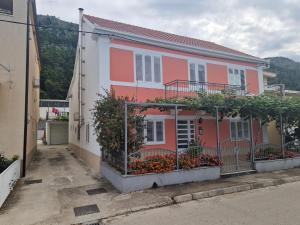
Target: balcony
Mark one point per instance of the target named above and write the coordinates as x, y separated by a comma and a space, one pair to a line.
185, 88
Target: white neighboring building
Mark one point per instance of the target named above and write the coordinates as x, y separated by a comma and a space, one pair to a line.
50, 109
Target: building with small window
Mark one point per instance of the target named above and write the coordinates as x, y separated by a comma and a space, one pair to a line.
53, 123
19, 79
146, 64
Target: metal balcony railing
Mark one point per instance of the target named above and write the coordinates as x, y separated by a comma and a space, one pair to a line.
186, 88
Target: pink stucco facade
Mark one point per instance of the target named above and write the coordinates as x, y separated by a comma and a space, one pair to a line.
175, 66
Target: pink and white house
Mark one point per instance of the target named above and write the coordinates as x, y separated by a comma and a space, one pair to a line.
146, 64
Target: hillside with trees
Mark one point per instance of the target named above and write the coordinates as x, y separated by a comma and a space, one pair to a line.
287, 70
58, 47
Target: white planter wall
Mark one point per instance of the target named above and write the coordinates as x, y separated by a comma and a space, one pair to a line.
8, 179
278, 164
131, 183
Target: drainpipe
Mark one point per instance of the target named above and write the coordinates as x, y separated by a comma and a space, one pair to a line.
80, 67
26, 93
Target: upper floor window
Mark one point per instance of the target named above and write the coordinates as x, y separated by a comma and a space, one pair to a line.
239, 129
6, 6
148, 68
237, 77
197, 72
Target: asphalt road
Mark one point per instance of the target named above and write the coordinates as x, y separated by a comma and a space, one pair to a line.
278, 205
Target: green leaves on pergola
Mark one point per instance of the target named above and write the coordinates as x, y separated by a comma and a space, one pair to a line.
263, 107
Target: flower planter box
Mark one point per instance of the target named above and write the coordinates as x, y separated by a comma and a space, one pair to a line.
278, 164
8, 179
131, 183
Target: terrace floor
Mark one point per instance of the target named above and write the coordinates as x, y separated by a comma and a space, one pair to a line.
57, 183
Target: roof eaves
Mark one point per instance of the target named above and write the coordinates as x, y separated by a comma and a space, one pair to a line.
176, 46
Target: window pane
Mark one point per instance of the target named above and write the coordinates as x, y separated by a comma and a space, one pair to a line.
139, 67
6, 6
231, 77
246, 129
239, 130
148, 68
159, 131
201, 73
157, 75
233, 130
150, 131
192, 72
243, 84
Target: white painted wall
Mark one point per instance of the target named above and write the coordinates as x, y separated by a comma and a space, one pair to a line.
8, 179
94, 45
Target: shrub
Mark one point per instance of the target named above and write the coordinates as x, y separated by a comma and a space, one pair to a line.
108, 120
272, 154
4, 163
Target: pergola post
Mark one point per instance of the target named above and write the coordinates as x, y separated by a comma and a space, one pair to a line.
252, 154
176, 138
218, 133
125, 140
282, 136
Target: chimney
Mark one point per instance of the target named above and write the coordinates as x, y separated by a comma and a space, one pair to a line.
80, 17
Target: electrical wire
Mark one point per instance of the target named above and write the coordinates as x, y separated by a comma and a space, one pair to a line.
51, 27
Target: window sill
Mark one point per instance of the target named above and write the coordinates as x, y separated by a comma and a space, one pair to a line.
155, 143
240, 139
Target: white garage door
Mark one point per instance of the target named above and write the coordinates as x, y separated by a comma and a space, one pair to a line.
58, 134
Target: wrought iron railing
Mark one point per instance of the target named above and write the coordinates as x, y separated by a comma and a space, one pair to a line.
186, 88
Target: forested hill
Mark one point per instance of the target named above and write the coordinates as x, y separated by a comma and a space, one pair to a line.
58, 48
287, 70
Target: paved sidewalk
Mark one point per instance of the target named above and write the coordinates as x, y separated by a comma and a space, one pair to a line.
65, 181
267, 206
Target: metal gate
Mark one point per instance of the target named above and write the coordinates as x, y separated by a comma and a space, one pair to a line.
236, 156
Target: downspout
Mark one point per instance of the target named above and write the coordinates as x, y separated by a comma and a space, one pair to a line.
26, 93
80, 68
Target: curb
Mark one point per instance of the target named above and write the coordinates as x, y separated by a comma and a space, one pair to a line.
233, 189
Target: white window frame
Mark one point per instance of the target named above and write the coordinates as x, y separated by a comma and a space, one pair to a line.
155, 142
197, 62
145, 53
239, 68
237, 138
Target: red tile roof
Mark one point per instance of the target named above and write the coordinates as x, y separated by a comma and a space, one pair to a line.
150, 33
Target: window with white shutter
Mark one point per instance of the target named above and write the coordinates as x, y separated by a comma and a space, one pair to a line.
148, 68
154, 132
197, 72
239, 129
237, 77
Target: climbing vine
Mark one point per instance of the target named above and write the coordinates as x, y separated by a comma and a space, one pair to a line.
263, 107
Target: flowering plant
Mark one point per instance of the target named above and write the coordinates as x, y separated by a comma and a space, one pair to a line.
167, 163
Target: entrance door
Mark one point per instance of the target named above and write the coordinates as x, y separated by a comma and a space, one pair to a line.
186, 133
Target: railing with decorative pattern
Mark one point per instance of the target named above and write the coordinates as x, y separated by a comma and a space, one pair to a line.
186, 88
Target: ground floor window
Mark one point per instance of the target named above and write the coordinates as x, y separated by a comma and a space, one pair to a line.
239, 129
186, 133
154, 132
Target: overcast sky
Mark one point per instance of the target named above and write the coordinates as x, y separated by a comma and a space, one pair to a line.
259, 27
